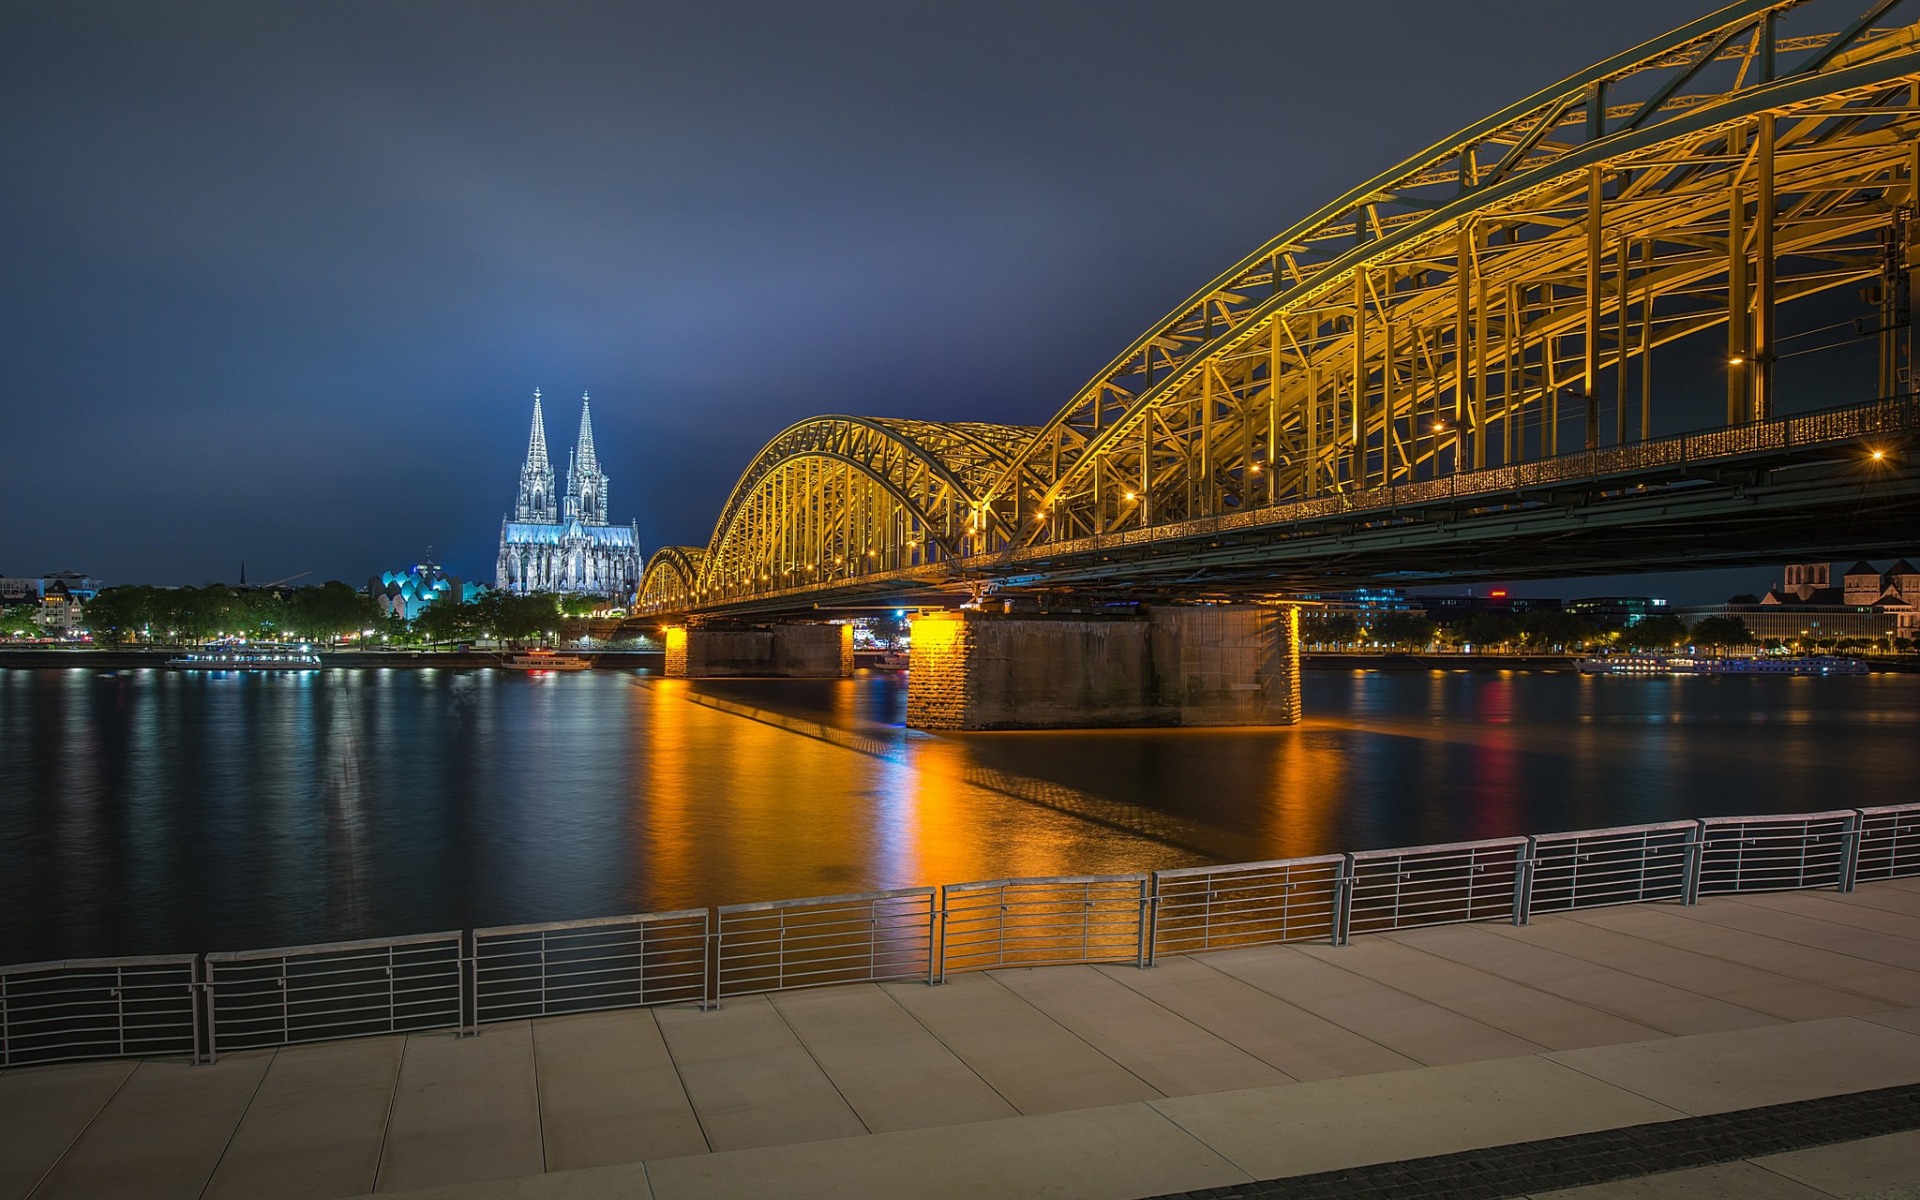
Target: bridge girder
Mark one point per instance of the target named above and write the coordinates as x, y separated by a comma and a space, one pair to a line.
1488, 308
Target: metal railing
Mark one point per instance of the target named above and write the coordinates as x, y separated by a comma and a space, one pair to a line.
258, 998
832, 939
199, 1005
543, 970
1045, 922
1247, 904
99, 1008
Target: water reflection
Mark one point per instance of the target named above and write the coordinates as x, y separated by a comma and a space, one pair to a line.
146, 811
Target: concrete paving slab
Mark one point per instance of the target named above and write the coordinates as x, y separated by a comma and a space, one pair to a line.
1896, 1018
1648, 1002
1030, 1059
161, 1134
1886, 895
1113, 1153
625, 1182
888, 1067
1162, 1047
751, 1081
315, 1127
1336, 1123
1423, 1032
42, 1111
1527, 1013
1292, 1040
609, 1092
1716, 937
464, 1109
1748, 987
1728, 1181
1835, 907
1853, 1168
1746, 1068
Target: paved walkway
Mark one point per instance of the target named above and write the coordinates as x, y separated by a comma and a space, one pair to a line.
1063, 1081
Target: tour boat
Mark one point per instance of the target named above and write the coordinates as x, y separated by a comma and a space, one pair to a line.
545, 660
1686, 664
248, 656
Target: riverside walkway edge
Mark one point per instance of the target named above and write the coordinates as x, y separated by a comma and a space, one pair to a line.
1214, 1071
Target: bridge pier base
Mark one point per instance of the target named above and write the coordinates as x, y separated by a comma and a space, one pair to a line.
1175, 665
789, 651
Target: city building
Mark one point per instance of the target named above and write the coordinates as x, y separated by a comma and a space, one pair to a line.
1445, 610
1866, 605
60, 608
15, 589
407, 593
1616, 612
1362, 604
562, 542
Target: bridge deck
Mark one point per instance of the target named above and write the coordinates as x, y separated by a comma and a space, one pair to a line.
1102, 1081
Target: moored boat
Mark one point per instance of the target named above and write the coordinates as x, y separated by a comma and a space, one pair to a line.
545, 660
1688, 664
249, 656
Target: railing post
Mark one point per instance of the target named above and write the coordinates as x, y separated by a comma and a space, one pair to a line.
938, 967
1343, 902
213, 1024
710, 964
1690, 873
1523, 856
1144, 958
1850, 841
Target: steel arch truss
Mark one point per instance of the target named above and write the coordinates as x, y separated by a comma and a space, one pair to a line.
1494, 301
832, 500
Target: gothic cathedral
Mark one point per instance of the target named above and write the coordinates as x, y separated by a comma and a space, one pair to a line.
555, 543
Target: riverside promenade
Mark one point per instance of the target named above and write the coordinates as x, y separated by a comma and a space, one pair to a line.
1215, 1071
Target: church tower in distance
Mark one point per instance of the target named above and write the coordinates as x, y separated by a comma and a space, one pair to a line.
554, 543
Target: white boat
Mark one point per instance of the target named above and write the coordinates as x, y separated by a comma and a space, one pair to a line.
1646, 665
545, 660
249, 656
892, 660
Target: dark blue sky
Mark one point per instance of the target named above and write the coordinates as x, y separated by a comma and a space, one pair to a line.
277, 281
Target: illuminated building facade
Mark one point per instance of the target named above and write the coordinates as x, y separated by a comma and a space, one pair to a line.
562, 542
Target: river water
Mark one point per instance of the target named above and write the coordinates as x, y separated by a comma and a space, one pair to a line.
146, 811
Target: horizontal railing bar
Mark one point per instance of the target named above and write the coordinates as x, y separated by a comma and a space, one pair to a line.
684, 914
321, 948
1047, 881
828, 901
1444, 848
100, 964
1269, 865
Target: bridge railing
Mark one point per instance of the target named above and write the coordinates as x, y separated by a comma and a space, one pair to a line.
198, 1005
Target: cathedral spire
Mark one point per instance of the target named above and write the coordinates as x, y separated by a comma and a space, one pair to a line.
536, 503
584, 451
537, 440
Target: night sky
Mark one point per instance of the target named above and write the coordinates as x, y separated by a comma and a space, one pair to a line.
277, 280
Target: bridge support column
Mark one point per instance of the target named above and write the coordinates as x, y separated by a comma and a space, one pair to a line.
789, 651
1198, 665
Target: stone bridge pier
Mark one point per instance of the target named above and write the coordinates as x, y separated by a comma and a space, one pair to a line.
793, 651
1169, 665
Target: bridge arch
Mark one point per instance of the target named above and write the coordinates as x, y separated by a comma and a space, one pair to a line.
1497, 299
838, 498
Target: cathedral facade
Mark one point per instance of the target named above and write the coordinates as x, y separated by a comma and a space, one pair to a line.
561, 542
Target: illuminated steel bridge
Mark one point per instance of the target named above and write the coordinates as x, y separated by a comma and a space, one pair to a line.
1479, 363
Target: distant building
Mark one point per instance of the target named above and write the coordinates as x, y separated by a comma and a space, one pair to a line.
553, 543
1616, 612
1445, 610
1362, 604
17, 588
60, 608
406, 594
1867, 605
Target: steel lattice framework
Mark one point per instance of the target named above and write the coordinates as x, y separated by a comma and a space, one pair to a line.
1484, 313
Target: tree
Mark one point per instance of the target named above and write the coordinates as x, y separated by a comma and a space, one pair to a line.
1487, 631
1551, 629
1721, 631
120, 614
1340, 629
325, 613
1403, 629
448, 621
20, 620
1661, 632
580, 605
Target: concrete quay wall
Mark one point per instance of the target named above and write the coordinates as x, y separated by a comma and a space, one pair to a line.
788, 651
1198, 665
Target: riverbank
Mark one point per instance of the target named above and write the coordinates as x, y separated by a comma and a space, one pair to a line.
100, 658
